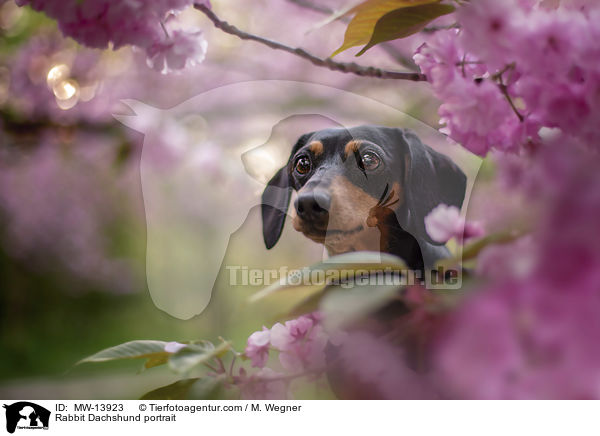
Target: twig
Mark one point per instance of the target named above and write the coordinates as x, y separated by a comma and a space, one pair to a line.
327, 63
222, 369
232, 364
164, 28
504, 89
498, 75
212, 368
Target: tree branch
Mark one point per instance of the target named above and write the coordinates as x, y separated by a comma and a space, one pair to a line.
343, 67
504, 89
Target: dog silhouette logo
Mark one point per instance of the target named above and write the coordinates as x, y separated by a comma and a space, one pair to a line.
205, 162
26, 415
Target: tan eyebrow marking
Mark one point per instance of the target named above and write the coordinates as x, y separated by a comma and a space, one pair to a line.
351, 147
316, 147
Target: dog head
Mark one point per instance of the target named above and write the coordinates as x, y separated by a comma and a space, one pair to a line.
349, 181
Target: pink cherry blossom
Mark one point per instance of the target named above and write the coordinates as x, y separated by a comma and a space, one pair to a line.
489, 29
476, 129
99, 23
444, 222
513, 68
182, 48
257, 348
301, 343
532, 333
438, 58
174, 347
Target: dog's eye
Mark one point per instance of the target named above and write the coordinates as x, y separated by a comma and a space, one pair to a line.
370, 160
303, 165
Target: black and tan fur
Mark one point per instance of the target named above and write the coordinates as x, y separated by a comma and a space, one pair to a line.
348, 206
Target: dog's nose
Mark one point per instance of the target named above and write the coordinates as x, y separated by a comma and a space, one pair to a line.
313, 206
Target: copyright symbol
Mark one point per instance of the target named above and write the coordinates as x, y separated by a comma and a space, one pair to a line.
142, 407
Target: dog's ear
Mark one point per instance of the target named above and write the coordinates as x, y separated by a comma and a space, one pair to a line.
276, 200
430, 179
275, 203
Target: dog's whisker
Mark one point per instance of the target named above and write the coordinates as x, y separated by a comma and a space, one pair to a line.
386, 203
387, 186
392, 203
390, 197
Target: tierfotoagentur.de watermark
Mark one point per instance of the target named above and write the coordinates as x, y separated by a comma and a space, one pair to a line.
240, 275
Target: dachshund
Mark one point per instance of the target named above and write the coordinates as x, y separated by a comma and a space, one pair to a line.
364, 188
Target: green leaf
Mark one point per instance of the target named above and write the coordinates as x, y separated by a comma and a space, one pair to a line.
404, 22
473, 249
313, 301
187, 389
154, 351
342, 307
334, 266
156, 361
367, 14
196, 354
307, 305
207, 388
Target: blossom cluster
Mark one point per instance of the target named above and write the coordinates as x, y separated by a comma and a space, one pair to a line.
301, 346
530, 329
359, 363
522, 75
147, 25
300, 343
514, 67
532, 332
